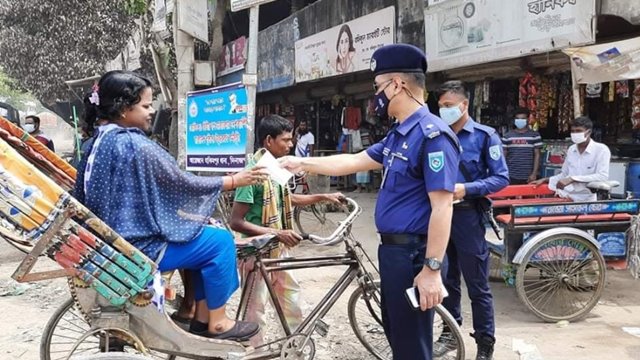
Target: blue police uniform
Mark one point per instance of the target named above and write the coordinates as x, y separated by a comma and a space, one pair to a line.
419, 155
467, 252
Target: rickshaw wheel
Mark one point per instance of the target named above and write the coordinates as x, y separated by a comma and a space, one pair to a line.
561, 277
68, 325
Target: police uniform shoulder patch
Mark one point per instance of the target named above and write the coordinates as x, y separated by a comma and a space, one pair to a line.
433, 134
436, 161
494, 152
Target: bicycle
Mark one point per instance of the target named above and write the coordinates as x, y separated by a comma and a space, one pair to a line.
364, 309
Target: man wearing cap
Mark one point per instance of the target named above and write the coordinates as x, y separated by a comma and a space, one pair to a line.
483, 170
419, 157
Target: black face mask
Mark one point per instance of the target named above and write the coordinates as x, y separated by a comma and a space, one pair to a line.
304, 132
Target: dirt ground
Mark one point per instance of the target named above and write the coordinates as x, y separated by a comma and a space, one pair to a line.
25, 309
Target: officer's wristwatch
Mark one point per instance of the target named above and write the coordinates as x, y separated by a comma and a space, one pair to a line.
433, 263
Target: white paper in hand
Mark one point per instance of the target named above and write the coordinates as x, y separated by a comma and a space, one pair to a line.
271, 165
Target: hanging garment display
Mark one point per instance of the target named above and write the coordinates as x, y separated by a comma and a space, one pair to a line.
622, 88
546, 101
635, 106
565, 104
528, 92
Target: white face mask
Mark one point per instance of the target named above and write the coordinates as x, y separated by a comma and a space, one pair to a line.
579, 138
451, 115
29, 128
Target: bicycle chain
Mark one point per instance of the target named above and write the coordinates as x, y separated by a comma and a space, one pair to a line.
74, 282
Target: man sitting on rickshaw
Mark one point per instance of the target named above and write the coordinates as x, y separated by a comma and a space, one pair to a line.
586, 161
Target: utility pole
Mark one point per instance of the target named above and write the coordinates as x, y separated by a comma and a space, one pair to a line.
185, 58
250, 78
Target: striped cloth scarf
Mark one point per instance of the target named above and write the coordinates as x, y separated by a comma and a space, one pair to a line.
271, 215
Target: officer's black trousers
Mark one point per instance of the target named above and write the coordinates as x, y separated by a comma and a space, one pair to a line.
468, 254
409, 331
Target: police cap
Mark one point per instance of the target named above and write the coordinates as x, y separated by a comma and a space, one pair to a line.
400, 58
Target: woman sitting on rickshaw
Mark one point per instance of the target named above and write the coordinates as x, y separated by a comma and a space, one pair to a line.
137, 188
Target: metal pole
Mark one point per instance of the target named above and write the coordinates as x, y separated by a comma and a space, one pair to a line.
576, 95
250, 78
185, 58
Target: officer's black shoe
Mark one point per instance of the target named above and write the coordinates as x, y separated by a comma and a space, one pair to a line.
445, 343
485, 346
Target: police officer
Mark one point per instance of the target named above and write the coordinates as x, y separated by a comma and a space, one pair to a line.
483, 170
419, 157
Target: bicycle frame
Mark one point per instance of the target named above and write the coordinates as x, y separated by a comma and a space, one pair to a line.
355, 270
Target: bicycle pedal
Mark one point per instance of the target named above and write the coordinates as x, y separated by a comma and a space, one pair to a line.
322, 328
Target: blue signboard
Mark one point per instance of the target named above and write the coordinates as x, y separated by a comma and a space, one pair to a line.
217, 129
602, 207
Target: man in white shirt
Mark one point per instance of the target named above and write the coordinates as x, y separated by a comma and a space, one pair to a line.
304, 141
586, 161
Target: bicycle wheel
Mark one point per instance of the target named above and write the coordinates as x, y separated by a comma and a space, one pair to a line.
317, 219
365, 316
67, 326
561, 278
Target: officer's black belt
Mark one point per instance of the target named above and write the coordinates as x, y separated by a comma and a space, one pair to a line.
401, 239
465, 205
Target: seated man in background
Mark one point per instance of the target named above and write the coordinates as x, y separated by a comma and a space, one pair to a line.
586, 161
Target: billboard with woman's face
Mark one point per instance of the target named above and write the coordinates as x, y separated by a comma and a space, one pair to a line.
345, 48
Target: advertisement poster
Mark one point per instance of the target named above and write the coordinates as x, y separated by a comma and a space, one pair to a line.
345, 48
233, 56
217, 129
467, 32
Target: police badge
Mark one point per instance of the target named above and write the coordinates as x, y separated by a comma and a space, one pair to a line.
494, 152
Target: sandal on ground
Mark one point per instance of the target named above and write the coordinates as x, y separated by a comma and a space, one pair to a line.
241, 331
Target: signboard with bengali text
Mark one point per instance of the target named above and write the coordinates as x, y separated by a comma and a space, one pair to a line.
461, 33
217, 129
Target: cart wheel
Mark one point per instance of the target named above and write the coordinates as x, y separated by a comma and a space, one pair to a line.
67, 326
561, 277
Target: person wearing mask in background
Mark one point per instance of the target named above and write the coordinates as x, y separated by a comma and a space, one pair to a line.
586, 161
419, 157
482, 171
304, 140
32, 126
522, 150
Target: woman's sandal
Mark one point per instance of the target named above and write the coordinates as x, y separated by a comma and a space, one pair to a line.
241, 331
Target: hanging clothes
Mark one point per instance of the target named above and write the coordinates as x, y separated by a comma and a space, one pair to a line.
352, 118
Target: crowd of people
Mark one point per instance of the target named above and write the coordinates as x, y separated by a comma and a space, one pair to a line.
437, 169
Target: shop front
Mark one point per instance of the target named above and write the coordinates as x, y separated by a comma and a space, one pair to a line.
332, 86
539, 75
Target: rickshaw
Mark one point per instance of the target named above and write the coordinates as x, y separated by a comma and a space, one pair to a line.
118, 295
551, 251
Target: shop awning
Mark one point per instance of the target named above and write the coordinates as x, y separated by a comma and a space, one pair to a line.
612, 61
